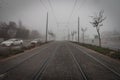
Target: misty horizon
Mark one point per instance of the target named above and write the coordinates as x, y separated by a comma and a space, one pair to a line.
63, 14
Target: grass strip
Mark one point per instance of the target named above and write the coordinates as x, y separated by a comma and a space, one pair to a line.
105, 51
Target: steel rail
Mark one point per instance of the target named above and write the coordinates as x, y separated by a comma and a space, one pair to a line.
78, 65
21, 62
97, 60
39, 74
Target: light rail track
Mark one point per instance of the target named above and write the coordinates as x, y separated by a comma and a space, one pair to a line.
78, 65
98, 61
3, 74
39, 74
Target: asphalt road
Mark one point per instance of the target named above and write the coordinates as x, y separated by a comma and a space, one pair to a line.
60, 61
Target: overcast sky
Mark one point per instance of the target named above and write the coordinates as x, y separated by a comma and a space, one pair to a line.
63, 14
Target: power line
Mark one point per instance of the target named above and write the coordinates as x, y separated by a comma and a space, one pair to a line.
75, 3
53, 11
83, 4
71, 13
43, 4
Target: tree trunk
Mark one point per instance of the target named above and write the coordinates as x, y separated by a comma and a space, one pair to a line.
99, 38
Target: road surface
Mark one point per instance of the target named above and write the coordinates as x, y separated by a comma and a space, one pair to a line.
60, 61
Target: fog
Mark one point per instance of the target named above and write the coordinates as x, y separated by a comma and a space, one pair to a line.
63, 14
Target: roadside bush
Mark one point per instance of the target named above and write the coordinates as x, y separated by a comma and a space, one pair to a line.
8, 51
116, 55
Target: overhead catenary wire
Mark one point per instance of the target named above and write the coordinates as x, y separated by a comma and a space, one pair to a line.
72, 11
82, 4
43, 4
53, 11
75, 3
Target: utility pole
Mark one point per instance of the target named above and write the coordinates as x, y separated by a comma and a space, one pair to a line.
47, 27
78, 28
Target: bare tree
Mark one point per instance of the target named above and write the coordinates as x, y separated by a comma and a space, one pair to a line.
83, 33
98, 22
12, 29
4, 30
52, 34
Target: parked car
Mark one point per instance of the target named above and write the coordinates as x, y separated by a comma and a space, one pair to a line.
12, 42
29, 46
36, 41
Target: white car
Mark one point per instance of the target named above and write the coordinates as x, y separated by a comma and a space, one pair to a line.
35, 41
12, 42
